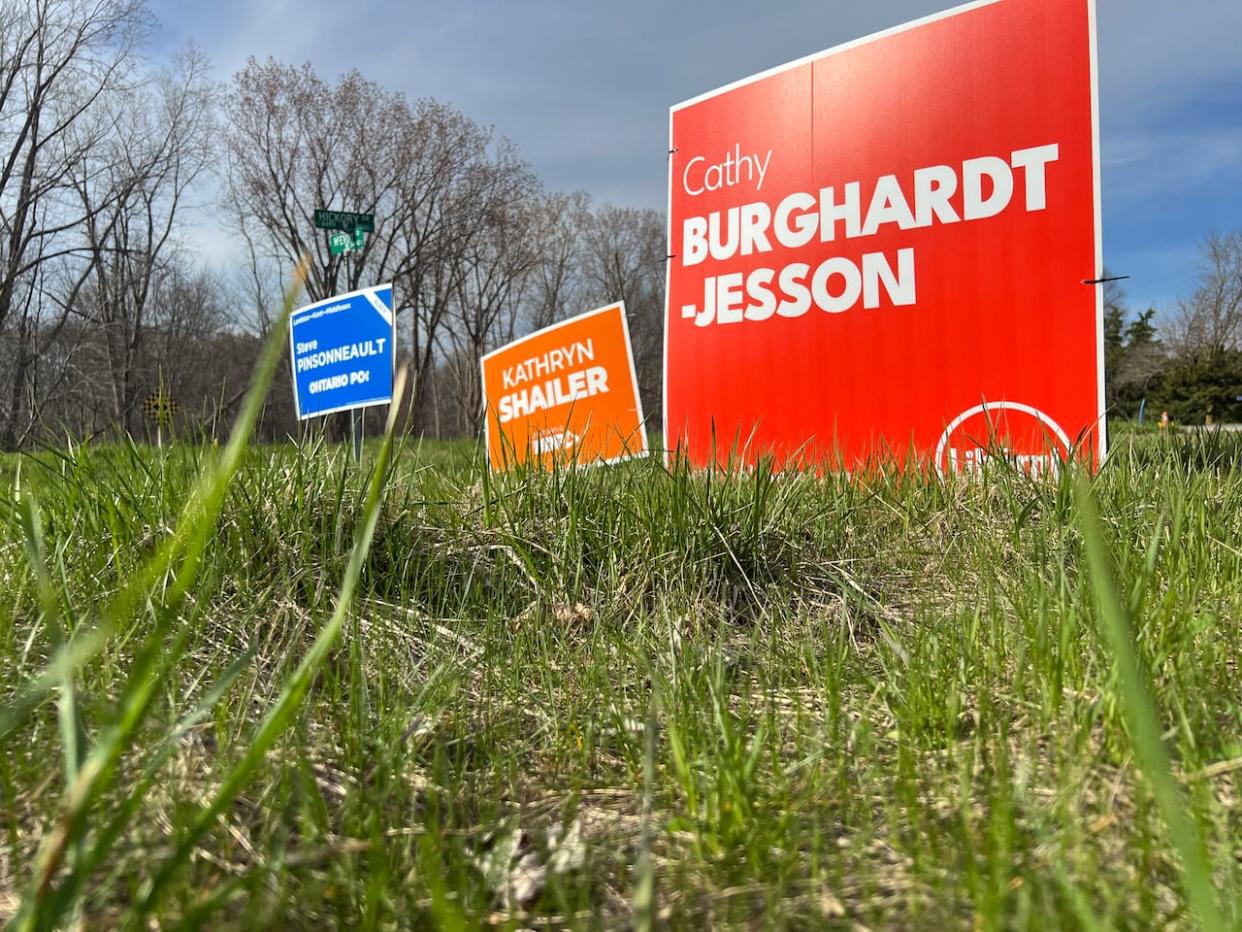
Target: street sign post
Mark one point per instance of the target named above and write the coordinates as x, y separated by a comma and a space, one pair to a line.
342, 353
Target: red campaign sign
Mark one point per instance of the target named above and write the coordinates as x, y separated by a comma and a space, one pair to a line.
881, 250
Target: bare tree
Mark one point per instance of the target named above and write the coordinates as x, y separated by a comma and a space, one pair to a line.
496, 261
624, 261
1209, 322
459, 185
434, 179
294, 145
60, 62
161, 150
557, 286
99, 156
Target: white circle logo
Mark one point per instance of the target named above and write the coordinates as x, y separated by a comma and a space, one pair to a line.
1020, 434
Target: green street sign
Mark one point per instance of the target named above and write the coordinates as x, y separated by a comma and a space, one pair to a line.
340, 243
344, 220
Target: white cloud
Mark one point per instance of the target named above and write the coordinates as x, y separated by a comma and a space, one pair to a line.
1170, 161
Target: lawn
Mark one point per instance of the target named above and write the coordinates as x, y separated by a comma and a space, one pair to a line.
409, 694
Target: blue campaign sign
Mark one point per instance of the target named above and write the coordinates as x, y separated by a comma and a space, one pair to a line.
342, 352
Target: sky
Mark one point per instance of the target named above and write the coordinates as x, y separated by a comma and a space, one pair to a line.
584, 88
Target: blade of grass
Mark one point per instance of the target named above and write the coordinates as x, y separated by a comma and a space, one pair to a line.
36, 555
643, 901
87, 782
1138, 706
50, 910
186, 544
72, 733
295, 688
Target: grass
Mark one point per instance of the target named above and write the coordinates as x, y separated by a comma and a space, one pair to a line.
409, 694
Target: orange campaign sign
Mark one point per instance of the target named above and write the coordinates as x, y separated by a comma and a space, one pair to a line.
889, 250
567, 393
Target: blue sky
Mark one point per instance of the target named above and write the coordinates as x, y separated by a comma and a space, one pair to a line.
584, 88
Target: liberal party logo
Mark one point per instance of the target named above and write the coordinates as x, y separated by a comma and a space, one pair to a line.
1017, 433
